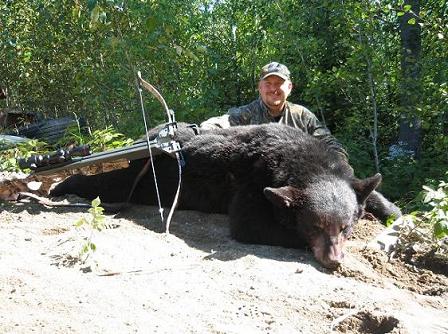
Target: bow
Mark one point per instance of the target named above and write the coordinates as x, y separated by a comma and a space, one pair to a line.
165, 141
81, 156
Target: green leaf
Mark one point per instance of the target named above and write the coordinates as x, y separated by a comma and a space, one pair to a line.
27, 56
179, 49
390, 220
96, 202
95, 15
102, 17
84, 249
80, 222
411, 21
76, 12
441, 229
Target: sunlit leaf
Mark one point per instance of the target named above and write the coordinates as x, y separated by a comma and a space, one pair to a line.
96, 202
94, 15
441, 229
178, 50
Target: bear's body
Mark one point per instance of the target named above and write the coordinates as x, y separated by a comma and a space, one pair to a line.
279, 186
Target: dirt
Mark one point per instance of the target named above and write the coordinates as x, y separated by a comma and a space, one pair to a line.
196, 279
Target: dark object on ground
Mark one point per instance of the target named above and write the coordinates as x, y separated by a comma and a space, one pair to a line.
279, 186
14, 118
50, 130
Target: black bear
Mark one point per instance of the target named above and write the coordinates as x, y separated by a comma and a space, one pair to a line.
279, 186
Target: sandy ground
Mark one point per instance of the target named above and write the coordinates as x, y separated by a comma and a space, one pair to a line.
197, 280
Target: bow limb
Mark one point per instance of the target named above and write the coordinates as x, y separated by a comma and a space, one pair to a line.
171, 126
150, 88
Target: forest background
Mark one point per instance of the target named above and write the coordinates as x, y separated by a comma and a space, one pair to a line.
375, 72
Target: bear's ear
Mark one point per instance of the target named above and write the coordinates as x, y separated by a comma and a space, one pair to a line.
283, 197
363, 188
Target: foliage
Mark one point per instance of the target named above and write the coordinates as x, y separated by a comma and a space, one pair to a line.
428, 228
98, 140
77, 56
438, 215
95, 222
107, 139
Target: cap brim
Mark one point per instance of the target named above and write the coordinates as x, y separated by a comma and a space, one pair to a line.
284, 77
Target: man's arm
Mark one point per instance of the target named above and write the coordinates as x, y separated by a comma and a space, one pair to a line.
316, 129
235, 116
217, 122
239, 115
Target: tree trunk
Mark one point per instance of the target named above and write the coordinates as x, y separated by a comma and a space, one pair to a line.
409, 139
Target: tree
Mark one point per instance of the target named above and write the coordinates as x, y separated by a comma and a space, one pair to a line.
410, 88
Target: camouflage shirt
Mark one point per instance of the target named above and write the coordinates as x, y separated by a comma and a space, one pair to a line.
293, 115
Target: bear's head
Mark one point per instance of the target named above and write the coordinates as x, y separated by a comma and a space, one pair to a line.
324, 212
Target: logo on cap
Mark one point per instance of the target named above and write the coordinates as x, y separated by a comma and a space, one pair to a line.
277, 69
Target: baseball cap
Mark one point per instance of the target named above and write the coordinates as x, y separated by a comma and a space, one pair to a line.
277, 69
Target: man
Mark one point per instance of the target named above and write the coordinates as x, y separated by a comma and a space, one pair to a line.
274, 87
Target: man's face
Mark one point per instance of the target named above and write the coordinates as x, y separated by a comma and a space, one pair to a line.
274, 91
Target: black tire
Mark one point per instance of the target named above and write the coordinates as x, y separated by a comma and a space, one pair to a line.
50, 130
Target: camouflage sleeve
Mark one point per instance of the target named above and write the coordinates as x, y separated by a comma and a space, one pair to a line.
316, 129
239, 115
